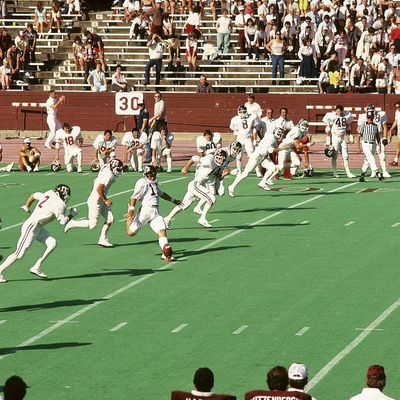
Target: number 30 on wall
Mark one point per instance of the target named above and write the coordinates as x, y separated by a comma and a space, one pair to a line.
126, 103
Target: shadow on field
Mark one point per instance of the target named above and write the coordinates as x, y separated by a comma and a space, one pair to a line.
270, 209
49, 346
184, 253
53, 304
140, 243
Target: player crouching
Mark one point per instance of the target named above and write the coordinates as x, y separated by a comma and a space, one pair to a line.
148, 193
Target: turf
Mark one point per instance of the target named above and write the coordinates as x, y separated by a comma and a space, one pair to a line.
275, 262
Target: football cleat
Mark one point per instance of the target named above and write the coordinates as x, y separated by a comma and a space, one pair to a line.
168, 259
204, 223
63, 191
380, 176
95, 166
242, 111
36, 169
2, 279
264, 187
350, 175
55, 166
197, 210
103, 242
231, 191
386, 174
361, 178
38, 272
79, 170
117, 167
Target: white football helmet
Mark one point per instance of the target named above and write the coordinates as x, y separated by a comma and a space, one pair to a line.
117, 167
235, 148
278, 133
303, 125
63, 191
242, 111
369, 108
220, 157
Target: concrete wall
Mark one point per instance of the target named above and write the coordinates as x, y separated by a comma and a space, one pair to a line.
186, 112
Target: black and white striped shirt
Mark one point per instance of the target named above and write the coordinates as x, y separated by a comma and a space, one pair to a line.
369, 132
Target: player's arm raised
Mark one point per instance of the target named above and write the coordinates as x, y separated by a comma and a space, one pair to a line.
100, 191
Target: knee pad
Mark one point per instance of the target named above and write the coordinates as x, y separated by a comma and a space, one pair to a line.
51, 243
110, 218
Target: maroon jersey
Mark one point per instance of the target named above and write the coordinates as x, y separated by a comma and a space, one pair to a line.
276, 395
177, 395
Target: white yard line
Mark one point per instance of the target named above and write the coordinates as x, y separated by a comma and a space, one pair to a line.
3, 321
354, 343
240, 330
371, 329
214, 220
349, 223
302, 331
396, 224
4, 176
113, 195
123, 289
179, 328
304, 222
118, 327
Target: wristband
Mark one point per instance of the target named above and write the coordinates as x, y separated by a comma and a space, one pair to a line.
131, 208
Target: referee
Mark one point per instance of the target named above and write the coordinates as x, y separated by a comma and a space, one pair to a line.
370, 141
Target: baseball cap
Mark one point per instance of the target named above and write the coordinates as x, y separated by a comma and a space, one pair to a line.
27, 141
241, 8
376, 370
297, 371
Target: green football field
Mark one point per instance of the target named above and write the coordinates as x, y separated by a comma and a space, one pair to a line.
307, 272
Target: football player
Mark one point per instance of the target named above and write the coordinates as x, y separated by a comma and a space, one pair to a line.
380, 118
338, 124
206, 173
243, 126
51, 205
161, 143
148, 193
53, 103
104, 145
29, 157
99, 204
71, 139
267, 146
134, 143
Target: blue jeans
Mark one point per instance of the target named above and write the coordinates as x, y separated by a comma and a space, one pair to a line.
223, 42
277, 60
151, 63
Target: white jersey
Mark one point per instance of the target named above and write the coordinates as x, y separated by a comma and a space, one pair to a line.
51, 112
159, 142
49, 207
339, 124
147, 192
254, 108
208, 146
106, 178
243, 127
130, 141
69, 140
267, 145
265, 126
207, 170
102, 145
284, 123
380, 118
294, 134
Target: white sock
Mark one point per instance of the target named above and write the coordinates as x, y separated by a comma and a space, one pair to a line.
104, 231
140, 163
169, 162
206, 207
162, 241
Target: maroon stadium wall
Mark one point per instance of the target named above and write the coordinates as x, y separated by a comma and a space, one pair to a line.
186, 112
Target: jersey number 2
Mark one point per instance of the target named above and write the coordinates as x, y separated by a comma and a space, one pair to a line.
40, 205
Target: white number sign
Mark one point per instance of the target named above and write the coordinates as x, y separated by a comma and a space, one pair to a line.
126, 103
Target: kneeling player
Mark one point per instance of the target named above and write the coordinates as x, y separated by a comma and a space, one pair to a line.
134, 143
161, 143
148, 193
105, 145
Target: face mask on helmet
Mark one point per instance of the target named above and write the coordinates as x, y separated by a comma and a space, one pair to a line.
117, 167
55, 166
329, 151
303, 125
278, 133
220, 157
370, 108
63, 191
242, 112
150, 171
235, 148
95, 166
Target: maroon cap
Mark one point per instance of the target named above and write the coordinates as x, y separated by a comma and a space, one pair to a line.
376, 370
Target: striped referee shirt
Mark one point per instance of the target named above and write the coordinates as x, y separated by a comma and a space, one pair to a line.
370, 132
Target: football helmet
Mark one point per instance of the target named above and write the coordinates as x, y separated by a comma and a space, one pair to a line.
116, 166
308, 172
150, 171
278, 133
303, 125
329, 151
370, 108
220, 157
235, 148
242, 111
55, 166
63, 191
95, 166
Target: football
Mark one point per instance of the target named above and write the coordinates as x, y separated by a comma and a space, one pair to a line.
167, 251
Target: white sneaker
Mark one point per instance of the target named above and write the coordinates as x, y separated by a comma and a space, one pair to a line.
231, 191
204, 223
373, 174
36, 169
104, 242
9, 167
258, 174
167, 223
38, 272
167, 258
197, 210
386, 174
265, 187
79, 170
28, 168
2, 279
169, 171
350, 175
335, 175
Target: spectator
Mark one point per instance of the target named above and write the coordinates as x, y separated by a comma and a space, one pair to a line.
394, 80
277, 48
323, 44
156, 52
5, 43
14, 388
308, 57
173, 44
40, 18
157, 15
14, 60
224, 28
55, 17
160, 113
298, 377
323, 82
20, 43
204, 86
169, 6
118, 81
392, 57
191, 51
251, 36
376, 382
97, 79
74, 7
5, 75
358, 75
31, 38
341, 45
161, 143
353, 36
364, 44
240, 23
29, 157
203, 381
277, 381
168, 26
192, 22
139, 26
77, 52
395, 37
381, 83
3, 9
89, 61
131, 7
98, 46
334, 77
